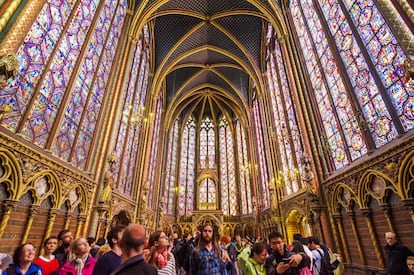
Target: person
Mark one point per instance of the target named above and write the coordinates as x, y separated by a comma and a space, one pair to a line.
298, 247
111, 260
184, 253
48, 261
318, 255
23, 261
159, 256
5, 261
132, 245
62, 253
281, 260
206, 257
83, 262
96, 245
410, 264
304, 242
252, 260
226, 244
396, 255
238, 246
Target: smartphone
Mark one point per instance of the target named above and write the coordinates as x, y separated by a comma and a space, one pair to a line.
285, 260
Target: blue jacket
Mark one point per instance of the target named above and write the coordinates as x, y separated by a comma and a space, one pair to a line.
14, 269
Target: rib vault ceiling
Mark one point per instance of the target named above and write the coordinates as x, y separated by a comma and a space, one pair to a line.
207, 53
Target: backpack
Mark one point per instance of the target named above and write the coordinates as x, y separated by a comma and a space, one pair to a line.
332, 260
305, 271
326, 268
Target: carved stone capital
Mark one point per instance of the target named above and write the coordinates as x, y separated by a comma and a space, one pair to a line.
82, 218
337, 217
366, 212
9, 205
386, 209
409, 205
33, 209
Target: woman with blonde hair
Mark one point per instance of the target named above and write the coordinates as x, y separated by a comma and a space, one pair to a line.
83, 263
158, 255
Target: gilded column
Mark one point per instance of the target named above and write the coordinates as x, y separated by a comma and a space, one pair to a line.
367, 214
68, 217
387, 213
351, 216
81, 222
102, 210
337, 218
408, 204
8, 206
52, 217
32, 212
8, 13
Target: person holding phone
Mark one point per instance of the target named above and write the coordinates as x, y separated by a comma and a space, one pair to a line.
281, 260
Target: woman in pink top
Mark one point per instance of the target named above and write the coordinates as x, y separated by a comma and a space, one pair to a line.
83, 263
47, 261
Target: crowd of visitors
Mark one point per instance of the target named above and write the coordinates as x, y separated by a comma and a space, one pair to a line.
128, 250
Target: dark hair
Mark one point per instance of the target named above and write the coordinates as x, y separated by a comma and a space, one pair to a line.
154, 238
18, 252
258, 248
314, 240
297, 237
90, 240
275, 234
101, 241
48, 239
305, 241
61, 233
214, 240
297, 247
153, 249
113, 234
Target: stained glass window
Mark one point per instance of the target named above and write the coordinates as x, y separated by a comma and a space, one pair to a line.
171, 169
155, 140
262, 168
132, 117
51, 92
227, 169
33, 56
289, 140
372, 60
207, 194
187, 168
207, 144
246, 205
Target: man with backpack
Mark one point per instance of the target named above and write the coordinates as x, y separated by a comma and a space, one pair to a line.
321, 263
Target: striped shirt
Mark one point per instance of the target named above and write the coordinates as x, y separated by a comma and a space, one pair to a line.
169, 269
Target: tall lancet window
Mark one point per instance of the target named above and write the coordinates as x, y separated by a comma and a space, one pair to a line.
65, 62
154, 157
207, 194
227, 169
262, 169
187, 168
207, 144
132, 117
365, 58
285, 121
171, 169
246, 204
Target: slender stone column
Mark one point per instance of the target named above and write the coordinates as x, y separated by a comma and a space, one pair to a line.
32, 212
8, 206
